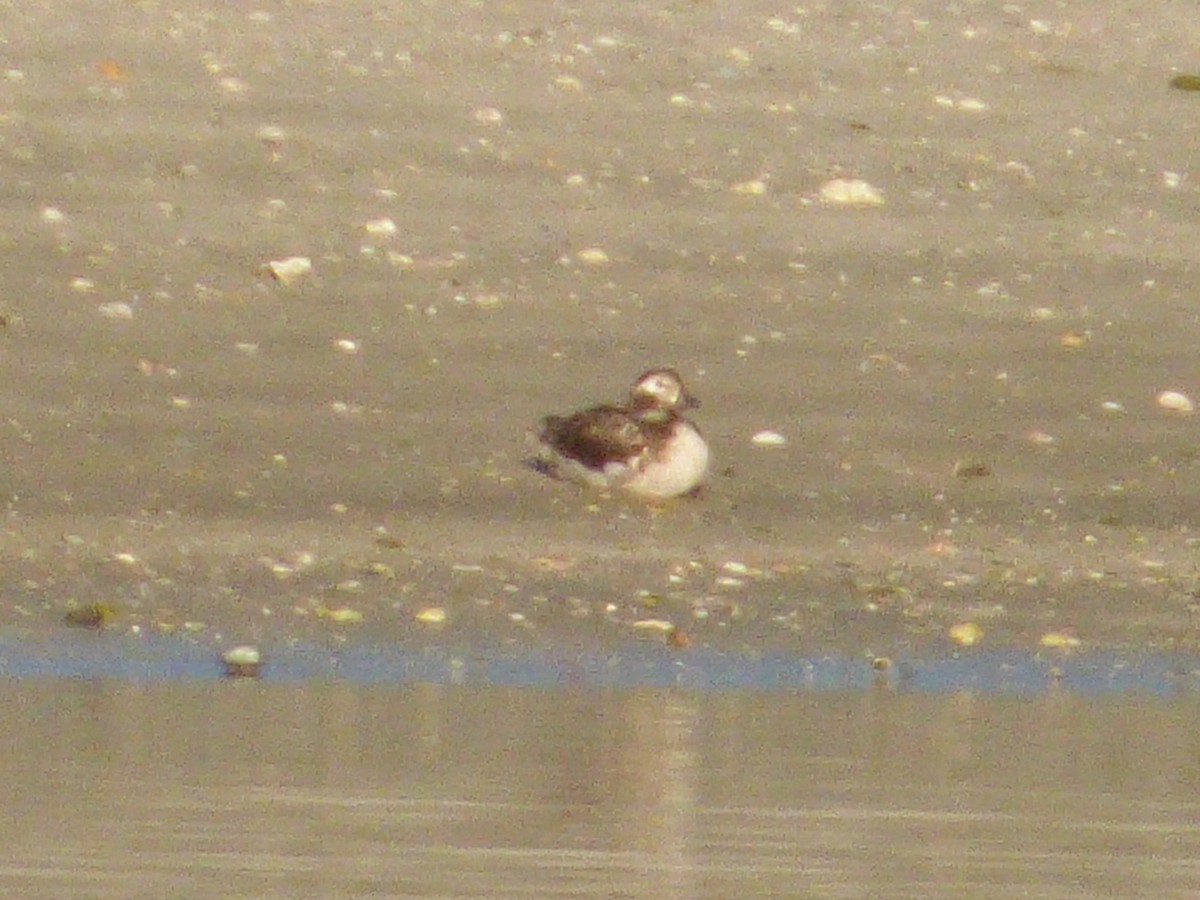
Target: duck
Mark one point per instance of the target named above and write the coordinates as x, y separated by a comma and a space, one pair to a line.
645, 448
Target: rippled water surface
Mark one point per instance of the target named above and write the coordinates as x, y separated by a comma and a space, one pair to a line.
250, 789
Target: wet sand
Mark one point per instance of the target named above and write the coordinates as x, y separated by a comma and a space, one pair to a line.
208, 457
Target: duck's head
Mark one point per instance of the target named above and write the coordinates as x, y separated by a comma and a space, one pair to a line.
660, 389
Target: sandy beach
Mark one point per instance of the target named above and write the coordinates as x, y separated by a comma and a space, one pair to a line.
513, 211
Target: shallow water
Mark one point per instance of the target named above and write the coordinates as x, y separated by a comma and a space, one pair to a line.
251, 789
483, 663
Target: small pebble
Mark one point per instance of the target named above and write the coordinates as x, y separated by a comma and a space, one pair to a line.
1186, 82
966, 634
431, 615
242, 661
678, 639
90, 615
970, 468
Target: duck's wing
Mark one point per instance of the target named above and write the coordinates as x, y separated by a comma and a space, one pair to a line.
595, 437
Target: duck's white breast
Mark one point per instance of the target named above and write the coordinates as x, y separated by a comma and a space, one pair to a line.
677, 467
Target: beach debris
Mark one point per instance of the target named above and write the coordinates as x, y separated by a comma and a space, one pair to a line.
90, 615
110, 70
971, 468
116, 310
1070, 340
1186, 82
963, 104
153, 367
768, 438
753, 188
487, 301
1060, 640
233, 85
346, 345
272, 137
678, 639
592, 256
242, 661
850, 192
288, 270
342, 615
965, 634
488, 115
1175, 401
431, 615
52, 215
380, 570
380, 227
875, 361
660, 625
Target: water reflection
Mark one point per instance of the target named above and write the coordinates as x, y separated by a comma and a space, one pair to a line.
256, 789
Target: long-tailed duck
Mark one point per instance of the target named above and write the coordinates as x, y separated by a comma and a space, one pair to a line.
646, 448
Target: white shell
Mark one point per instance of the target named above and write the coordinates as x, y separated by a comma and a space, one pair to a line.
850, 192
1175, 402
380, 227
592, 256
768, 439
288, 270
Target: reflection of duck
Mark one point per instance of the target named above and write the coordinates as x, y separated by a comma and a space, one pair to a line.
645, 448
